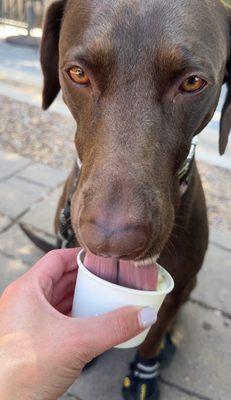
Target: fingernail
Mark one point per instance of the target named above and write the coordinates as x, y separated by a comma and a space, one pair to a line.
147, 317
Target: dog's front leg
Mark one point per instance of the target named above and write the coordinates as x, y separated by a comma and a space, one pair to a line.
157, 350
154, 341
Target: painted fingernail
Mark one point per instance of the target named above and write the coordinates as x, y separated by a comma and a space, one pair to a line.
147, 317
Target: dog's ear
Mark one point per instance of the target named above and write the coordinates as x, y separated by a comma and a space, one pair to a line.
225, 121
49, 52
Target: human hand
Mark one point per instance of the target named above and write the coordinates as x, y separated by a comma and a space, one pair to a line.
42, 349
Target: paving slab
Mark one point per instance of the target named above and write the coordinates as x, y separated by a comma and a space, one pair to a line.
4, 222
10, 270
43, 175
167, 393
214, 279
15, 243
203, 360
11, 163
42, 214
171, 393
221, 238
18, 195
104, 380
68, 396
201, 366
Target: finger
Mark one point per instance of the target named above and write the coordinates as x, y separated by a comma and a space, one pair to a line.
64, 286
56, 263
49, 269
106, 331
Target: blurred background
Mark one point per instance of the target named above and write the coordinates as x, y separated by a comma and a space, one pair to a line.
36, 153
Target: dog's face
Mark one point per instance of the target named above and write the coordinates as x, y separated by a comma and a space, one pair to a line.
141, 78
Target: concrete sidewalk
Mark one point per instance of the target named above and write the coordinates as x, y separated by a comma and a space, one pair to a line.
202, 365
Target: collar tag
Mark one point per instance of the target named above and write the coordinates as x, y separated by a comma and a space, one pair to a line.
184, 172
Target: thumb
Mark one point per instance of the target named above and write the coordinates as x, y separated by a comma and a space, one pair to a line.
108, 330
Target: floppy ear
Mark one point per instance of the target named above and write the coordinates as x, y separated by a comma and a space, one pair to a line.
225, 121
49, 52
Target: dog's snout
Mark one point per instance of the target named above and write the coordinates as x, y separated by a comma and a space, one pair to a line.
112, 239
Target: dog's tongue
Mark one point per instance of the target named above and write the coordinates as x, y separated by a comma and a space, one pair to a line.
123, 273
105, 268
142, 277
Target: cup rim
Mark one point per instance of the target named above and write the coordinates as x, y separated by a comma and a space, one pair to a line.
123, 288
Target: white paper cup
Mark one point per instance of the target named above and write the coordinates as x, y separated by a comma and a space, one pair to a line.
95, 296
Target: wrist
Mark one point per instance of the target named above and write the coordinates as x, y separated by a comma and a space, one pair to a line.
12, 388
7, 391
15, 372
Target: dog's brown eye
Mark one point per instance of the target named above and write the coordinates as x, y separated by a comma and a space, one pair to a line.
78, 75
192, 84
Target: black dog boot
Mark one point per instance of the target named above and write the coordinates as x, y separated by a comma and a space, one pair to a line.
167, 351
142, 382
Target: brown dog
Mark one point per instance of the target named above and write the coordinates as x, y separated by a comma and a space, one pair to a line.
141, 79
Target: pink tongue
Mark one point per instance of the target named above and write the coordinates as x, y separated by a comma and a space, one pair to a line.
124, 273
143, 277
105, 268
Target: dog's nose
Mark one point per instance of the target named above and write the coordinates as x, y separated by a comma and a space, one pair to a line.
108, 239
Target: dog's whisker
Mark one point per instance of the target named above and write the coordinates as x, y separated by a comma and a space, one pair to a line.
171, 246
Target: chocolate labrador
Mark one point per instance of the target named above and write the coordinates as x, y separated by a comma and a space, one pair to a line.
141, 78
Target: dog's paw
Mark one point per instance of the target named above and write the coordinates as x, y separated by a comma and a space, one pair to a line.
135, 388
168, 350
141, 383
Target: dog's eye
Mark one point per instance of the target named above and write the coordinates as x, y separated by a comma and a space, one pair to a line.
192, 84
78, 75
